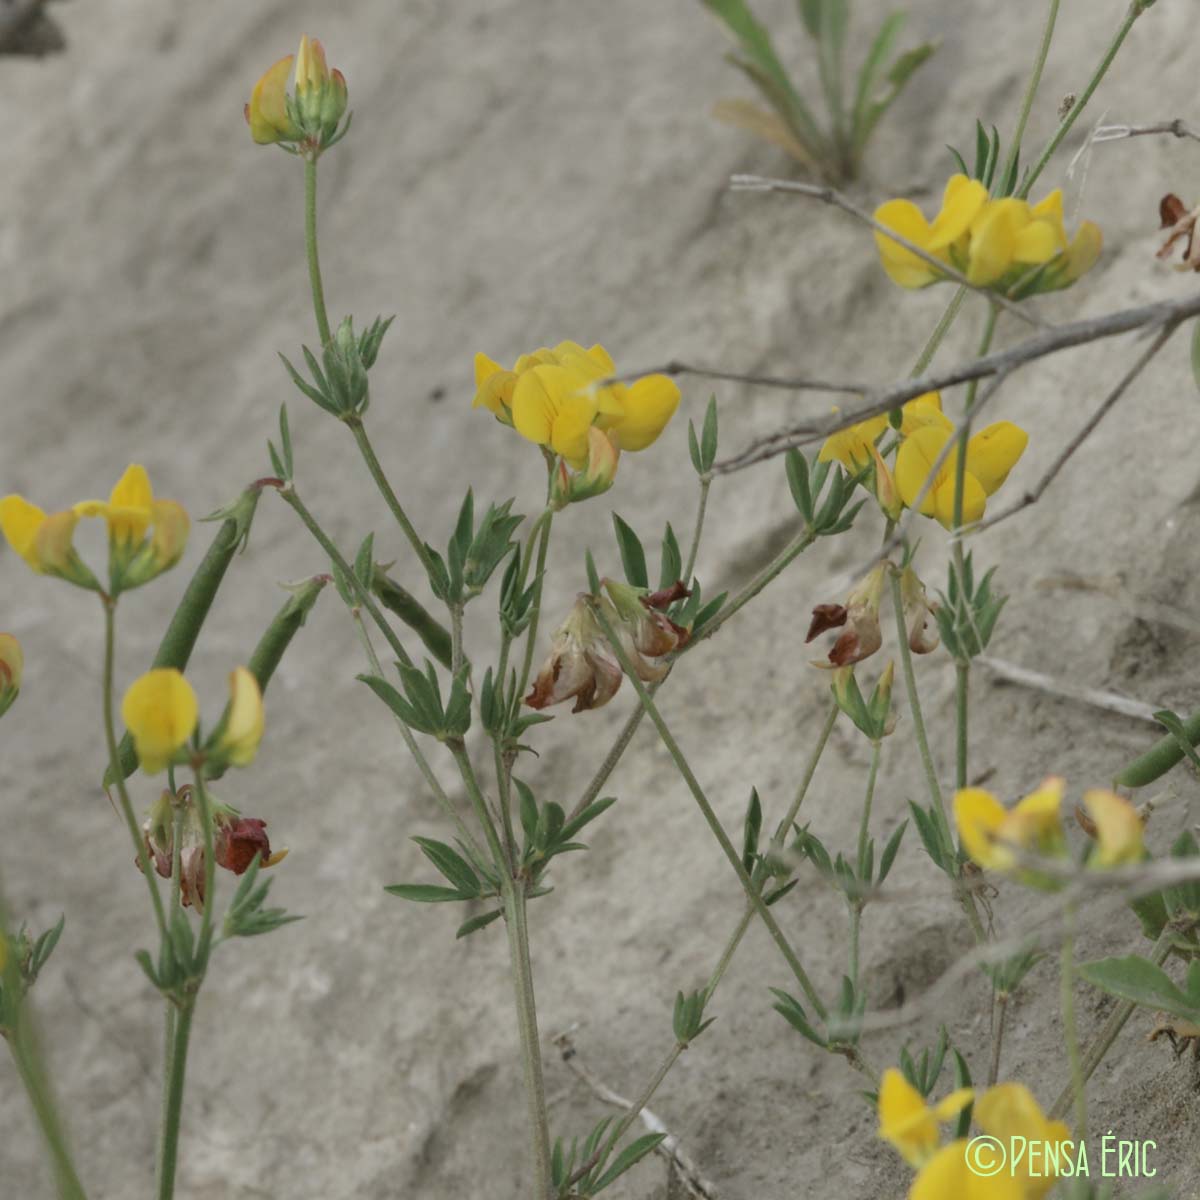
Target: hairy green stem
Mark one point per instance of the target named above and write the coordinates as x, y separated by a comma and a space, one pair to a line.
310, 246
701, 511
516, 921
710, 817
367, 450
997, 1037
1070, 1033
1136, 8
114, 760
1093, 1056
546, 520
865, 824
1035, 79
176, 1071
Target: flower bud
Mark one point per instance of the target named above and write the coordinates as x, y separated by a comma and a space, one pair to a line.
237, 738
650, 630
12, 662
885, 487
267, 113
595, 478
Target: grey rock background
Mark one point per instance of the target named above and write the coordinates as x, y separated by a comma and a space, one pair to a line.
520, 172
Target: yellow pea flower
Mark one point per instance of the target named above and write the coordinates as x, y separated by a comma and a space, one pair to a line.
160, 711
992, 834
45, 542
1008, 233
908, 1122
1118, 829
237, 741
991, 455
131, 511
946, 1176
12, 663
852, 446
551, 397
1009, 1112
961, 203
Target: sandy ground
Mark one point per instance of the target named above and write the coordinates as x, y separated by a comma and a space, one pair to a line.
520, 172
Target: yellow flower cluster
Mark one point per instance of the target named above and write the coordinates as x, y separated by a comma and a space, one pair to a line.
924, 431
146, 535
997, 837
551, 397
1006, 1113
312, 114
161, 712
1005, 244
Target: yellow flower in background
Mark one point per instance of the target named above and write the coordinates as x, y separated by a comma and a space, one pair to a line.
267, 113
1005, 244
1118, 829
908, 1122
12, 664
947, 1176
237, 742
160, 711
552, 398
852, 446
991, 455
129, 508
1009, 1112
994, 835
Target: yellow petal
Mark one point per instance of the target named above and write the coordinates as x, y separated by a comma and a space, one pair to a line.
1084, 250
650, 403
161, 713
245, 721
904, 1118
171, 526
992, 248
1035, 243
311, 68
974, 500
902, 265
1009, 1111
961, 203
493, 387
1035, 823
129, 505
914, 462
993, 452
569, 436
20, 522
54, 543
980, 817
1051, 209
267, 110
537, 397
1118, 829
924, 410
946, 1176
12, 663
485, 368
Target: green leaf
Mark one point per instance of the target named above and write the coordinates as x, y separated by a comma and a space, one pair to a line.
633, 557
797, 476
708, 437
694, 449
589, 814
872, 69
630, 1156
285, 438
790, 1009
1139, 981
890, 851
424, 893
451, 865
753, 827
672, 559
476, 923
593, 576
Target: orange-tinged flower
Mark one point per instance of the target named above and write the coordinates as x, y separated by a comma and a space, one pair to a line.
238, 739
267, 113
1118, 829
46, 543
160, 711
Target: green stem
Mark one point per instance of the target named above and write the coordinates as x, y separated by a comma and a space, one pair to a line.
176, 1069
772, 570
939, 332
1136, 8
1094, 1055
471, 783
710, 817
1070, 1033
546, 520
456, 638
363, 441
516, 921
615, 751
865, 823
20, 1044
1014, 146
310, 246
701, 510
175, 903
914, 705
964, 619
139, 842
998, 1037
291, 497
431, 780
